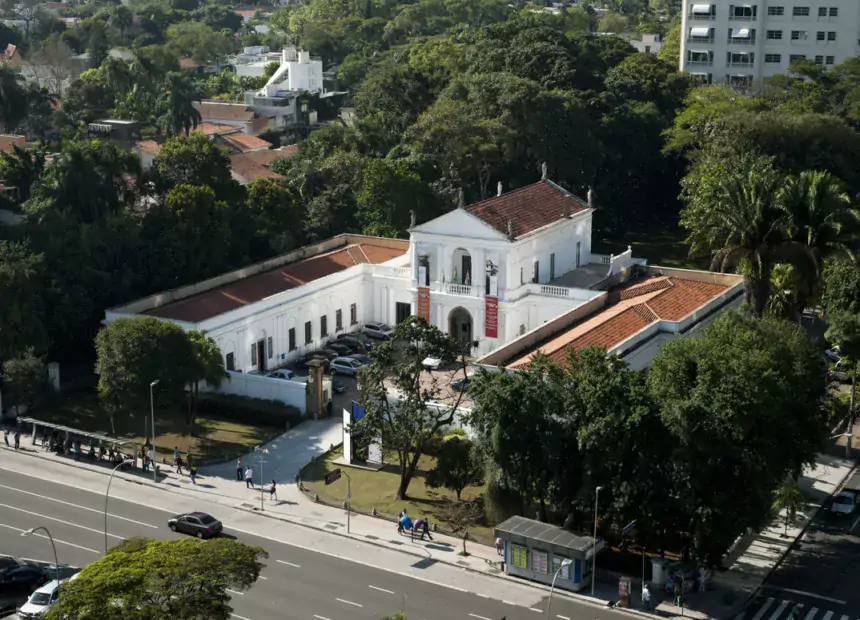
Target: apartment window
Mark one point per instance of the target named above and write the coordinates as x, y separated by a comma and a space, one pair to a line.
292, 338
796, 57
552, 266
308, 332
772, 58
338, 320
819, 60
701, 78
231, 362
270, 347
536, 272
353, 314
740, 58
703, 11
822, 11
741, 35
774, 35
800, 11
323, 326
521, 276
819, 36
742, 11
829, 60
831, 36
701, 35
776, 11
799, 35
254, 354
834, 11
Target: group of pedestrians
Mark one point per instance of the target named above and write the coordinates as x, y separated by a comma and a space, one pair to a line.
17, 438
422, 524
247, 474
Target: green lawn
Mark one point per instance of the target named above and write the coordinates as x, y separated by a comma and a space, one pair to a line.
376, 489
213, 437
665, 247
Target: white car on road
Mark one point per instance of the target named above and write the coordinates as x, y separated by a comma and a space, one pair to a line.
40, 601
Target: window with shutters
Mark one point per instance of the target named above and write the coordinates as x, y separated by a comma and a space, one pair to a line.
800, 11
308, 332
292, 338
338, 320
776, 11
323, 326
353, 314
270, 347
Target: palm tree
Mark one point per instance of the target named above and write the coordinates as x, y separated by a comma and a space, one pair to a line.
782, 302
117, 75
177, 112
206, 366
788, 498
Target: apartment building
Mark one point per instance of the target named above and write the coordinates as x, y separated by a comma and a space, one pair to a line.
741, 44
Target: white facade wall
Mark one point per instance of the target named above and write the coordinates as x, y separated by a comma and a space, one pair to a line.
745, 42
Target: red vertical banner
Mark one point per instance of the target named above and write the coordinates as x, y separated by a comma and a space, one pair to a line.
491, 321
424, 303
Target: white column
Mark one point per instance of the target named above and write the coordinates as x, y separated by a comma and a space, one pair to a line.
413, 251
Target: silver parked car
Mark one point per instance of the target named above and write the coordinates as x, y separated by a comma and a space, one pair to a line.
283, 373
344, 366
380, 331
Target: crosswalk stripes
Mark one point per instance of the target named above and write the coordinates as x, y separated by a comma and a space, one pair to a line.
773, 609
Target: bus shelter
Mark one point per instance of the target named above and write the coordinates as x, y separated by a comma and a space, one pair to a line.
536, 550
68, 434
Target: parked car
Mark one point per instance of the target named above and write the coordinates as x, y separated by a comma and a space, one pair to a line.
325, 352
21, 581
197, 524
354, 346
345, 366
341, 349
845, 503
363, 359
339, 387
283, 373
380, 331
461, 384
431, 363
40, 601
302, 362
833, 355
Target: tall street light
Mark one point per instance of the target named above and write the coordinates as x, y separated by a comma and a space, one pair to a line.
107, 493
32, 531
262, 451
152, 411
594, 540
565, 562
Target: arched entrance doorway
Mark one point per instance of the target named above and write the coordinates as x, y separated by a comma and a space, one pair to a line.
460, 325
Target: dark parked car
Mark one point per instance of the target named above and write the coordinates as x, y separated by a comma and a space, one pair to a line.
365, 360
197, 524
461, 384
327, 353
354, 346
338, 387
302, 362
21, 581
341, 349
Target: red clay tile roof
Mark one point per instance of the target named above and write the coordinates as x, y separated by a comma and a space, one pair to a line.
212, 129
7, 141
219, 111
245, 167
527, 208
244, 142
150, 147
189, 64
632, 307
254, 288
266, 157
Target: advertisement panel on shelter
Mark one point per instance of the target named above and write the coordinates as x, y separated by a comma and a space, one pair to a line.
492, 321
424, 303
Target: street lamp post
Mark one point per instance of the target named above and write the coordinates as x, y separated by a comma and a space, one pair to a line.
32, 531
152, 411
262, 451
564, 562
107, 493
594, 540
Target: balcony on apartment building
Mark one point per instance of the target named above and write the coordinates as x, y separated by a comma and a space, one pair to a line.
701, 35
741, 36
740, 59
702, 12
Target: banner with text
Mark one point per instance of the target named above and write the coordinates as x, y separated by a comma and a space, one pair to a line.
424, 303
491, 322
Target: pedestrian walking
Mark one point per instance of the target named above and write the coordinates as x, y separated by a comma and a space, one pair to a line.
192, 471
17, 439
273, 491
149, 457
425, 529
175, 453
92, 453
239, 469
249, 478
178, 462
500, 546
6, 436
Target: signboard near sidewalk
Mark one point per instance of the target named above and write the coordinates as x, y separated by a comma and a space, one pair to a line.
491, 322
424, 303
332, 476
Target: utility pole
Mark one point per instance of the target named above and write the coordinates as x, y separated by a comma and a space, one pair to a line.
262, 452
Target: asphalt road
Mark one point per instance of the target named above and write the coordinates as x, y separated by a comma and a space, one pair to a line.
820, 574
296, 583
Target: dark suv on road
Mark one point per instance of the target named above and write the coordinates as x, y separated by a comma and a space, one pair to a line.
197, 524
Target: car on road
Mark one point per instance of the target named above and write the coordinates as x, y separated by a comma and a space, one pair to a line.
461, 384
283, 373
197, 524
380, 331
844, 504
340, 348
302, 362
339, 387
40, 601
345, 366
21, 581
363, 359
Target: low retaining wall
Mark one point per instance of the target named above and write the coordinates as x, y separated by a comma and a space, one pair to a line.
291, 393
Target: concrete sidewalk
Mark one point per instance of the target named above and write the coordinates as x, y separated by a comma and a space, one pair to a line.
755, 556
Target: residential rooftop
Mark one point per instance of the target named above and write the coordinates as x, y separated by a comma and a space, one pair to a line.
202, 301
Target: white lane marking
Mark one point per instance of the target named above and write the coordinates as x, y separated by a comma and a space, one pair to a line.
779, 610
235, 592
56, 540
239, 617
320, 617
763, 609
479, 617
811, 595
381, 589
283, 562
536, 609
845, 617
828, 615
812, 613
261, 577
59, 501
41, 516
562, 617
342, 600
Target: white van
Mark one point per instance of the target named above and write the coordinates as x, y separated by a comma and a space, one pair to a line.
40, 601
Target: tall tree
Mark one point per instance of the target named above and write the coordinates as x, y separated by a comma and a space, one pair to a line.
844, 332
192, 160
21, 168
21, 288
13, 98
25, 378
207, 366
177, 113
98, 44
180, 579
408, 423
456, 466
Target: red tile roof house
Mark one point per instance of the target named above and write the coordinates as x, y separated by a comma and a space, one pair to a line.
514, 272
235, 114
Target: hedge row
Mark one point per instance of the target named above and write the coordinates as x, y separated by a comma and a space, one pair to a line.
255, 411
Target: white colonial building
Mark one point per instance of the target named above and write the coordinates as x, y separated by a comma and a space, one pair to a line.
514, 267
